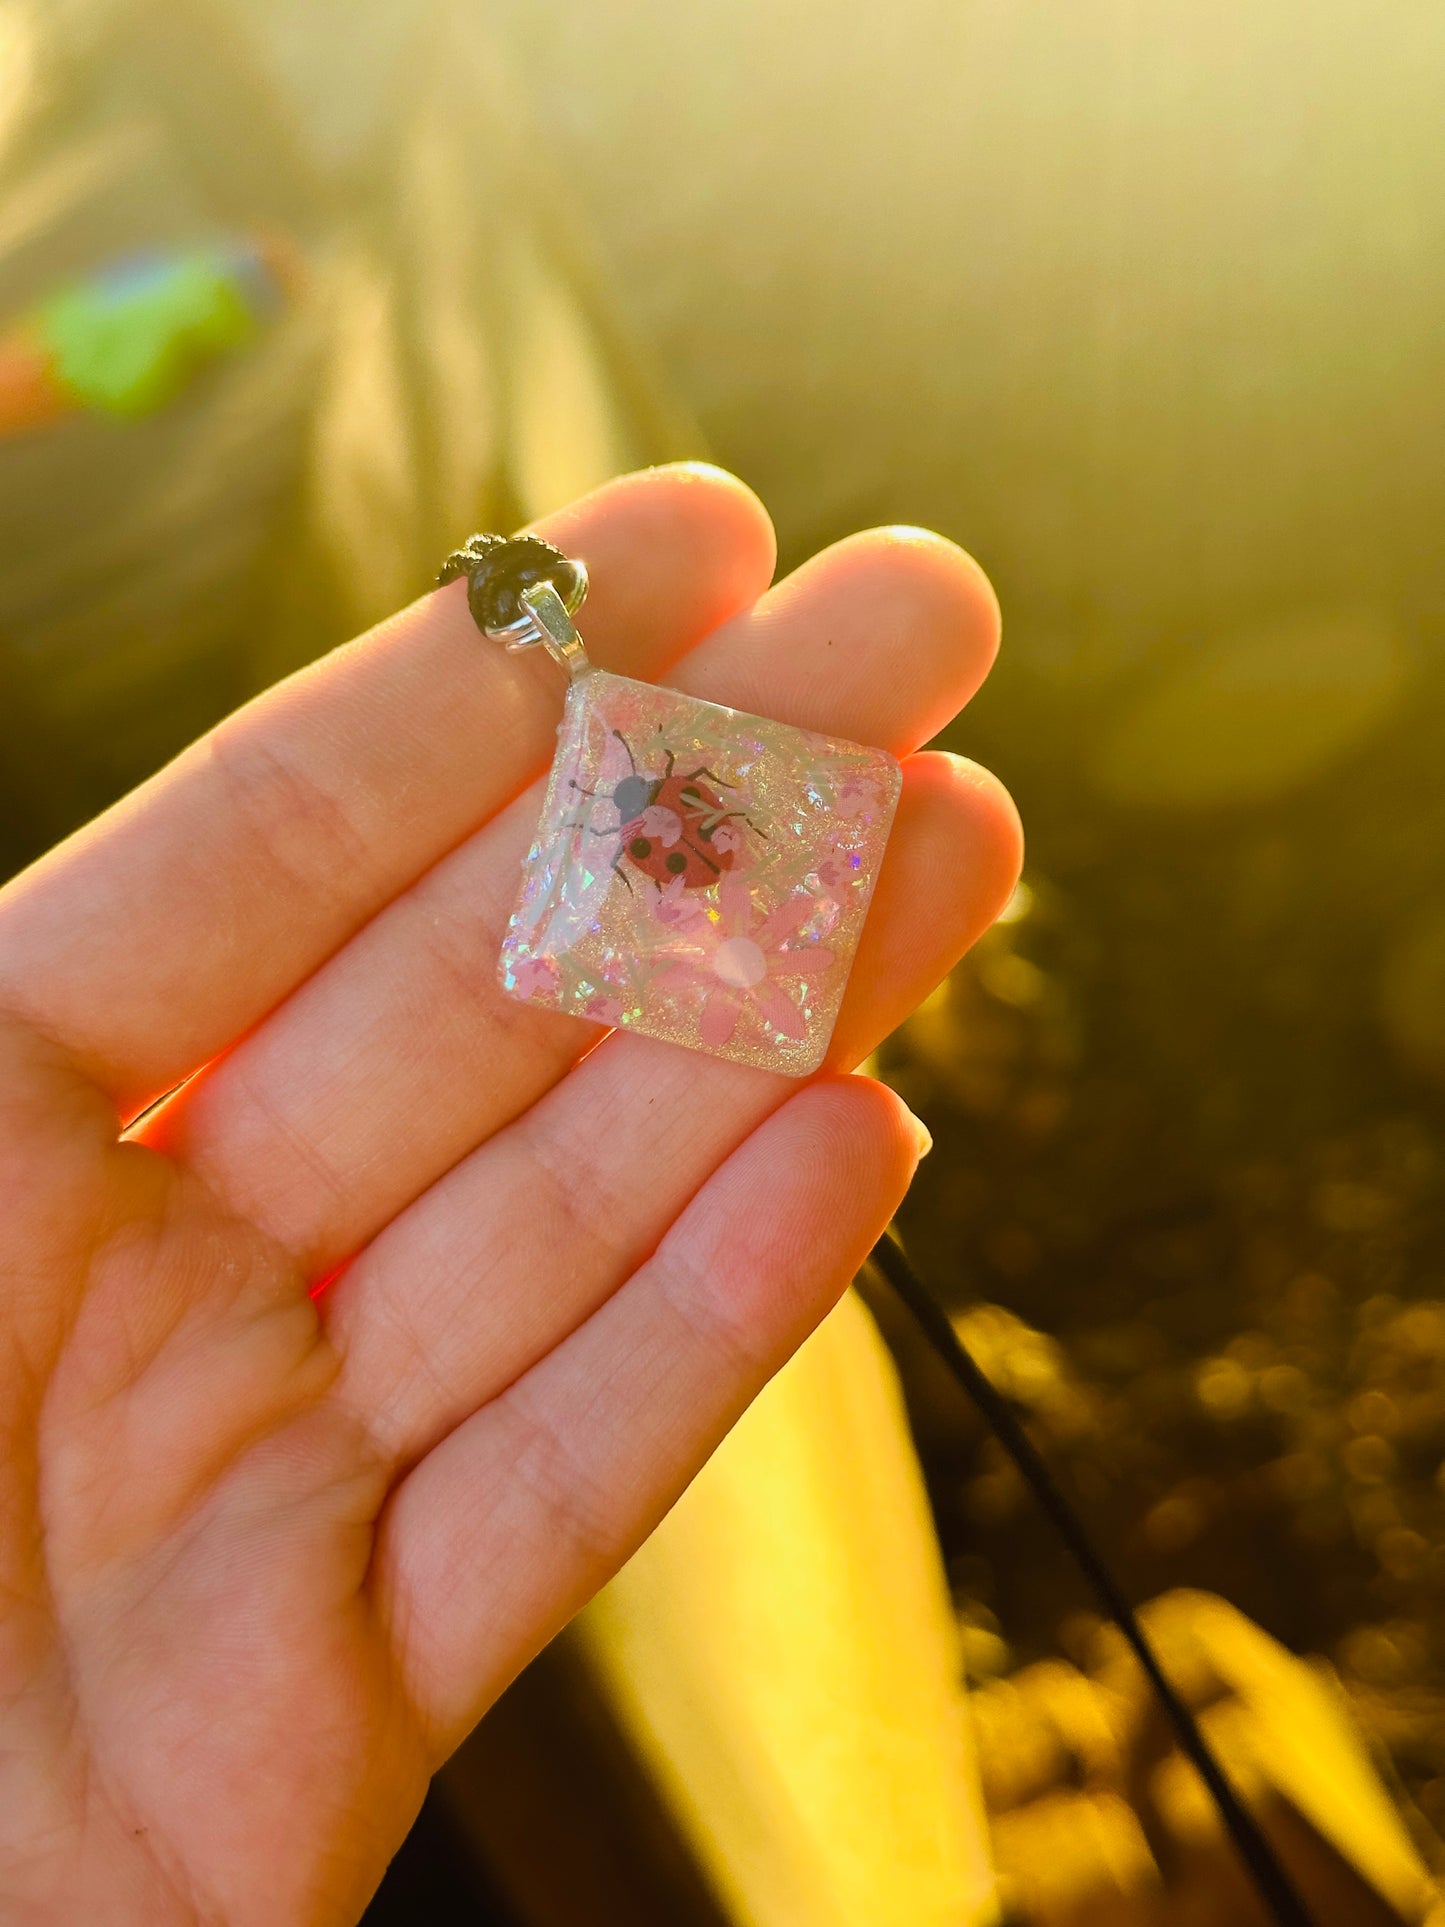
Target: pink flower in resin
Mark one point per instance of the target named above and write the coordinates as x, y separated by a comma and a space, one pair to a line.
842, 782
677, 910
736, 963
837, 869
536, 978
663, 825
603, 1010
728, 838
857, 794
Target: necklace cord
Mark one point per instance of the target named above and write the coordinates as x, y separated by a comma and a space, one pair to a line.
1272, 1883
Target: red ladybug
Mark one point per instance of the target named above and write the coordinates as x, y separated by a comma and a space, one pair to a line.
658, 850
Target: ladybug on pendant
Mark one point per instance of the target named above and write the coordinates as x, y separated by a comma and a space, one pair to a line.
668, 825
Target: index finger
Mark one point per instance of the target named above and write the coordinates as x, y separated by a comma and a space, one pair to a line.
161, 932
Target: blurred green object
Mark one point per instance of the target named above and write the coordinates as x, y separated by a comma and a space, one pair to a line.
128, 339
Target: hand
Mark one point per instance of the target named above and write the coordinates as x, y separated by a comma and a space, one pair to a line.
267, 1552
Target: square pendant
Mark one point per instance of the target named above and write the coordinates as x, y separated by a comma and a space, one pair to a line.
698, 874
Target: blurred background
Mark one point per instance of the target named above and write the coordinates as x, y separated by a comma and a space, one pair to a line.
1146, 306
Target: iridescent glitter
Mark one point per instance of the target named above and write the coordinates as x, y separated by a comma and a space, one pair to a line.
699, 875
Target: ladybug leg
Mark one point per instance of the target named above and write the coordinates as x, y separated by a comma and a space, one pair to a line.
713, 818
581, 823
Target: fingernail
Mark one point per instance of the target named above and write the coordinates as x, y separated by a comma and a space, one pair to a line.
923, 1135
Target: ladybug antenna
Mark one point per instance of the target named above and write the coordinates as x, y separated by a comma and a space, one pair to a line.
628, 747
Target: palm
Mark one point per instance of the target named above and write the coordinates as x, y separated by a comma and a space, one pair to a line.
267, 1553
221, 1728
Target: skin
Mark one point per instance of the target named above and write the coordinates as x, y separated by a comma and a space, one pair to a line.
268, 1551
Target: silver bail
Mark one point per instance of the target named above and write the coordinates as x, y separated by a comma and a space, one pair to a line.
552, 626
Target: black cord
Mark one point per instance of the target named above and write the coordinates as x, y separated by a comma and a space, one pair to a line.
1274, 1886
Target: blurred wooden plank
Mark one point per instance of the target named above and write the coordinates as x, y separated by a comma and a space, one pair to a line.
568, 1822
783, 1656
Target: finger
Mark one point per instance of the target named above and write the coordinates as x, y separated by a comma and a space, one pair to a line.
881, 638
577, 1461
403, 1053
161, 932
445, 1308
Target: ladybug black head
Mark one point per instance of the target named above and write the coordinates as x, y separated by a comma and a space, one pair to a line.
632, 796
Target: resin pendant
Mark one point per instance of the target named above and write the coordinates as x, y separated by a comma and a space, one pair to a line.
698, 874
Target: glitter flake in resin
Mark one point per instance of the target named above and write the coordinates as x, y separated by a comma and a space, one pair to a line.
699, 875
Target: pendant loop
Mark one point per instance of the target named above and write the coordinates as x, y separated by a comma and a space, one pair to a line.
522, 591
552, 626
